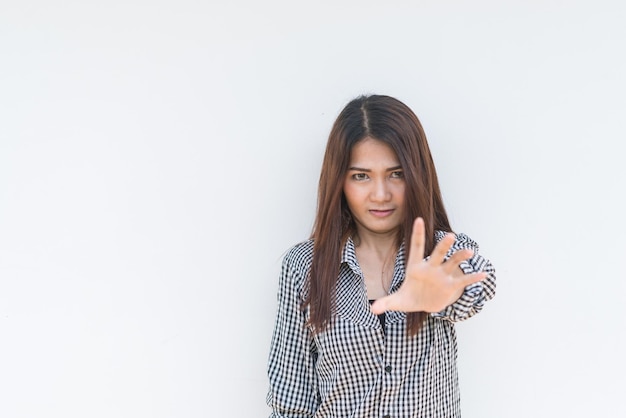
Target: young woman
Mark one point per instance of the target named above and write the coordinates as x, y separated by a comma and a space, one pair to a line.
365, 323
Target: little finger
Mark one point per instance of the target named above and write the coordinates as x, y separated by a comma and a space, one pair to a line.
472, 278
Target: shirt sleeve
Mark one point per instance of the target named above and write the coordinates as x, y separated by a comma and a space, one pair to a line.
292, 383
475, 295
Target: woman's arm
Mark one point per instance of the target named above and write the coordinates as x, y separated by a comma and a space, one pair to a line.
292, 390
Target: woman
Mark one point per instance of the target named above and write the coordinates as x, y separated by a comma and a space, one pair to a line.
365, 323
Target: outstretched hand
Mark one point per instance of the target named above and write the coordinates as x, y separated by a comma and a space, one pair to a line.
430, 285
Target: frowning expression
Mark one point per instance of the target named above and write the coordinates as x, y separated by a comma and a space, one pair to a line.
374, 188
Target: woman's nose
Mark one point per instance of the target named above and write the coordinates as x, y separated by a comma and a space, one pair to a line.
380, 192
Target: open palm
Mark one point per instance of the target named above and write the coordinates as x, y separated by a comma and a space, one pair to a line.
430, 284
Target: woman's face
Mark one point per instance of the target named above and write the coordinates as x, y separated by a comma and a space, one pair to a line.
374, 188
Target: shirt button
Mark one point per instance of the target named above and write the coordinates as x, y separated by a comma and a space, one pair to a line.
388, 370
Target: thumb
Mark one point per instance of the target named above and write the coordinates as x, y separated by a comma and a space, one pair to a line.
381, 305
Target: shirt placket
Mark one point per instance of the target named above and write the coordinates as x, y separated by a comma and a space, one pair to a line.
392, 365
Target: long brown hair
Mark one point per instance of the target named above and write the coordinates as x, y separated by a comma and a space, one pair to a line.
388, 120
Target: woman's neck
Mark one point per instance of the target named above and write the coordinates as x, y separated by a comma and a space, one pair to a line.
379, 244
376, 259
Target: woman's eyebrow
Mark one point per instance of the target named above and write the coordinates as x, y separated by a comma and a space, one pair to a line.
367, 170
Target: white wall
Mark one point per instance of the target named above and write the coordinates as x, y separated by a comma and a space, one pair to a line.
158, 157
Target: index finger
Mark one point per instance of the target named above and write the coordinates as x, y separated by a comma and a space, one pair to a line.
417, 239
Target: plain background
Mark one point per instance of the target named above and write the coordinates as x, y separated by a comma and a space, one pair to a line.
157, 158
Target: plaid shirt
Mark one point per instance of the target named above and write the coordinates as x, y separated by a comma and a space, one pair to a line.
353, 368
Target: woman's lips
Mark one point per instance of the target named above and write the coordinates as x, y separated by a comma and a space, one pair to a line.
381, 213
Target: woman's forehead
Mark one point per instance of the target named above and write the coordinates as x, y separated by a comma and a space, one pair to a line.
371, 152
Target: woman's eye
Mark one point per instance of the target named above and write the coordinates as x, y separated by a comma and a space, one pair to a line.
359, 176
397, 174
